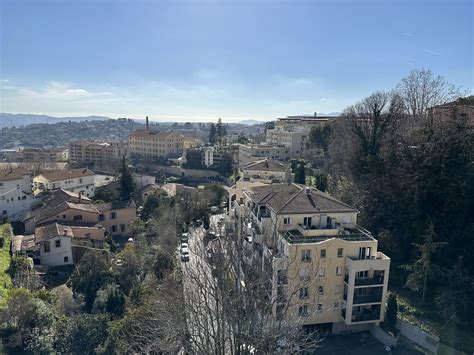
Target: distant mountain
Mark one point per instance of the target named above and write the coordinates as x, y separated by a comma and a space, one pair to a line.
251, 122
20, 119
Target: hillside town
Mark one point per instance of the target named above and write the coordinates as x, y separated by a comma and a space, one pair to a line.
206, 239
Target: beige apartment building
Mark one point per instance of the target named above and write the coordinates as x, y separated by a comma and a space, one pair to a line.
325, 268
292, 138
34, 155
97, 152
155, 144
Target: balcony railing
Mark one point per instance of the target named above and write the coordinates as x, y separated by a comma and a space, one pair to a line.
363, 317
367, 281
374, 298
350, 234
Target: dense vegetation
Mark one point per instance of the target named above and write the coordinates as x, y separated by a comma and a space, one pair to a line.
411, 174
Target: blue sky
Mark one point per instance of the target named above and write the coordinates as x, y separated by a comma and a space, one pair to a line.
200, 60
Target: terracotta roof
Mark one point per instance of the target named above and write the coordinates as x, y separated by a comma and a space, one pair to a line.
267, 165
117, 205
54, 229
296, 198
13, 173
159, 134
60, 175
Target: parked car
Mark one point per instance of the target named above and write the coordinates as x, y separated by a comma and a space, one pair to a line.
184, 238
184, 255
184, 246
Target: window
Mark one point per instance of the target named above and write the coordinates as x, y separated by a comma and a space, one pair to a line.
303, 311
114, 228
281, 294
47, 249
122, 228
66, 259
280, 308
319, 308
323, 253
321, 290
337, 290
101, 217
322, 271
64, 216
113, 215
282, 277
23, 197
77, 218
19, 198
4, 212
57, 243
306, 255
307, 221
304, 276
338, 270
304, 293
286, 221
340, 252
1, 184
80, 181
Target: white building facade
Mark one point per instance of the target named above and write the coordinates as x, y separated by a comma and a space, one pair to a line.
16, 197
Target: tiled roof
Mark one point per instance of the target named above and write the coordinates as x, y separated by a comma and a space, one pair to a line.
60, 175
296, 198
13, 173
267, 165
117, 205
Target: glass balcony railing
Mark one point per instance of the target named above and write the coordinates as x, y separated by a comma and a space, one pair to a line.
373, 298
363, 317
367, 281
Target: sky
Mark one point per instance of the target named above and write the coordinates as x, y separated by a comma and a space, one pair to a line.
199, 60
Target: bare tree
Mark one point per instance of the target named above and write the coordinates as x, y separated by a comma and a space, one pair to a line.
421, 89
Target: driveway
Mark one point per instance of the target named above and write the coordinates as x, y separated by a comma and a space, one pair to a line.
359, 344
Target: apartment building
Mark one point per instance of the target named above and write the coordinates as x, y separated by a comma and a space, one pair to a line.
294, 138
31, 155
115, 217
252, 152
304, 121
267, 170
189, 142
16, 195
324, 267
97, 152
74, 180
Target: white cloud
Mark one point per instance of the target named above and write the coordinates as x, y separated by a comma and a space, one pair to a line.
409, 34
431, 52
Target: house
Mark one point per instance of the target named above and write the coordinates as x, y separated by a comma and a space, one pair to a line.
16, 196
63, 243
267, 170
178, 190
249, 153
74, 180
325, 268
115, 217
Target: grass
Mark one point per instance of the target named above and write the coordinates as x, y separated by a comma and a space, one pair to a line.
453, 333
5, 280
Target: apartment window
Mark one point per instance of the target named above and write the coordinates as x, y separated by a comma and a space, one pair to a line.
122, 228
321, 289
66, 259
23, 197
19, 198
304, 293
280, 308
57, 243
80, 181
338, 270
337, 289
4, 212
323, 253
322, 271
307, 221
113, 215
287, 221
340, 252
319, 308
47, 249
304, 276
114, 228
77, 218
362, 274
282, 277
1, 184
101, 217
281, 294
303, 311
306, 255
64, 216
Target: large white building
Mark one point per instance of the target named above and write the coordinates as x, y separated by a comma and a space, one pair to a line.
75, 180
16, 197
249, 153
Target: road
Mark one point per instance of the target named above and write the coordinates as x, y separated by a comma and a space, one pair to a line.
201, 292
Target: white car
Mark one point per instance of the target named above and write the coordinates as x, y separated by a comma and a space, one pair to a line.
184, 245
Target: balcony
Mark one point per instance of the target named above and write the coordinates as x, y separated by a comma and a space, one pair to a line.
301, 235
373, 297
369, 281
315, 231
365, 316
379, 261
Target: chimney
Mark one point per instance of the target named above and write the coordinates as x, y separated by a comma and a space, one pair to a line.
147, 127
315, 114
307, 191
80, 194
65, 231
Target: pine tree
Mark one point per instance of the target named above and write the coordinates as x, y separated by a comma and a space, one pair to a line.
126, 181
212, 134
